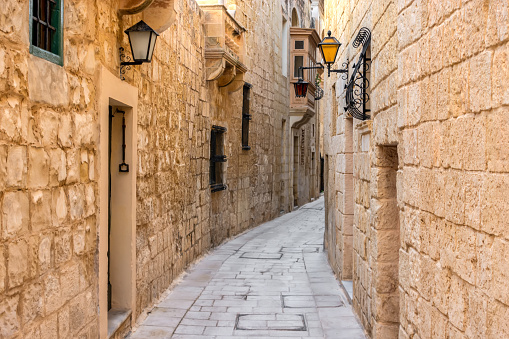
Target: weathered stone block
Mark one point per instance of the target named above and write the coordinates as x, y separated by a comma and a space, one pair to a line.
52, 295
16, 166
49, 327
63, 250
458, 302
386, 307
499, 288
59, 206
17, 268
494, 213
500, 76
31, 303
459, 89
41, 210
497, 140
43, 75
480, 82
76, 201
15, 210
9, 318
38, 171
58, 166
497, 320
454, 196
70, 281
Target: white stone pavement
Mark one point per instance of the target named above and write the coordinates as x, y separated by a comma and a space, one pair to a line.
273, 281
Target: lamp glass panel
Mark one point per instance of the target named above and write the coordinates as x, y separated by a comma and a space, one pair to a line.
139, 44
152, 46
329, 53
301, 89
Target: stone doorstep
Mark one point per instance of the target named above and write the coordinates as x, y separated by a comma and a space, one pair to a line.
117, 320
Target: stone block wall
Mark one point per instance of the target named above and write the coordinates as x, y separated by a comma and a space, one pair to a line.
48, 182
429, 168
49, 159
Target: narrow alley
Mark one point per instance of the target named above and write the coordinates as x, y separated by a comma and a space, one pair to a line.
273, 281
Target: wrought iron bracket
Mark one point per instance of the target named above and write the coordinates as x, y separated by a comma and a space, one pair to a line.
125, 63
343, 71
356, 89
300, 72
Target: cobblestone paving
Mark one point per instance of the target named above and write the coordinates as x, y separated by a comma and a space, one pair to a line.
273, 281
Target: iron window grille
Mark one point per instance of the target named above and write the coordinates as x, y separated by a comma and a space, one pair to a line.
46, 30
217, 158
246, 117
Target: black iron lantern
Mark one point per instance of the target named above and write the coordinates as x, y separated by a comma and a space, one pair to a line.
301, 88
329, 48
142, 39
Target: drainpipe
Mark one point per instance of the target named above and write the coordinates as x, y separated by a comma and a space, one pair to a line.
135, 9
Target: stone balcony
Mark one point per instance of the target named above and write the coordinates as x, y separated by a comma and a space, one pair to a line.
224, 46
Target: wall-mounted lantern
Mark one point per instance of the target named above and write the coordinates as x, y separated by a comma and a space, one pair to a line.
142, 40
329, 48
301, 87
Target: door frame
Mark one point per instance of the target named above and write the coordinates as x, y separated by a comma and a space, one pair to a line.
112, 91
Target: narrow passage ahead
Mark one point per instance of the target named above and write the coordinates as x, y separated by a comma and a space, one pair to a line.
273, 281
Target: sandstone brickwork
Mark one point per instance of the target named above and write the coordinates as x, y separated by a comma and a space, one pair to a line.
415, 207
50, 158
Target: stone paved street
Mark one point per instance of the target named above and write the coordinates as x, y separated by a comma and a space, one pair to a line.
273, 281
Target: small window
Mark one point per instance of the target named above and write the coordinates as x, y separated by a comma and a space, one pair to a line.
217, 159
298, 61
46, 29
299, 44
246, 117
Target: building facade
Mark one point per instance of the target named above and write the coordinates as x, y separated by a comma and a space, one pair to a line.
415, 193
110, 188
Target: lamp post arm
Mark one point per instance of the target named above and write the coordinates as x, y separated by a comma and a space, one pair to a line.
344, 70
128, 63
301, 69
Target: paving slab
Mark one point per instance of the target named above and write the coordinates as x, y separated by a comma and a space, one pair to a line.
273, 281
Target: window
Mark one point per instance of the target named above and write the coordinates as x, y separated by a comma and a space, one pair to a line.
284, 41
217, 159
299, 44
246, 117
298, 61
295, 18
46, 29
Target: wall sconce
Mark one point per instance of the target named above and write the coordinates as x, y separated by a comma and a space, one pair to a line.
142, 40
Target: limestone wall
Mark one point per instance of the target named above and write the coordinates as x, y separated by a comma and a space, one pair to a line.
428, 169
48, 182
50, 168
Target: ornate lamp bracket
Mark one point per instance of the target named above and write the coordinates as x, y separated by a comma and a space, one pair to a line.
125, 63
356, 89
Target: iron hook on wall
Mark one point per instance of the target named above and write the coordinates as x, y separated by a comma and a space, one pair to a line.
123, 167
